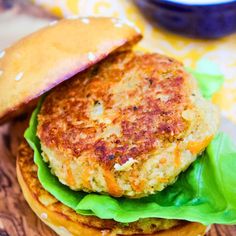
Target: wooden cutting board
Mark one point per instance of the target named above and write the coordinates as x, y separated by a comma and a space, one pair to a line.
16, 218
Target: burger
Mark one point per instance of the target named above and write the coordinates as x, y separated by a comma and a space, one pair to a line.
116, 143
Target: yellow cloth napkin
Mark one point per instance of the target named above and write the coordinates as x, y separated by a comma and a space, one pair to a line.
221, 51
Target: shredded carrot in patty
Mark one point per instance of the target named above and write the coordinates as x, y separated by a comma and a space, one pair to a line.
163, 180
163, 160
197, 147
69, 178
113, 188
177, 156
85, 178
137, 187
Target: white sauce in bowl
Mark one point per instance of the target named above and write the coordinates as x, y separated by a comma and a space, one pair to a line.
201, 2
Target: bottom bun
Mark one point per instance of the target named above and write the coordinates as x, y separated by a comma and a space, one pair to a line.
65, 221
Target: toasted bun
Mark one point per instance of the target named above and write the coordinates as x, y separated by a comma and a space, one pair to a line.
64, 221
40, 61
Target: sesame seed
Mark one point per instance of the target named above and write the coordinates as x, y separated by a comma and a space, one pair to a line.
2, 53
105, 232
129, 23
137, 29
120, 22
19, 76
85, 81
118, 25
132, 25
44, 215
64, 231
53, 23
85, 20
91, 56
1, 72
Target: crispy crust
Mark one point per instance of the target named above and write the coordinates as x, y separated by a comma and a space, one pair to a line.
129, 87
65, 221
54, 54
120, 127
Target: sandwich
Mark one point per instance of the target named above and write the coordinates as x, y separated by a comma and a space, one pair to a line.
120, 142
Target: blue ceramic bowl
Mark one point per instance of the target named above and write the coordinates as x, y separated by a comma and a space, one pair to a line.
214, 19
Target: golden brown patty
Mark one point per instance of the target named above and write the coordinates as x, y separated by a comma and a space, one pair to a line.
64, 219
128, 126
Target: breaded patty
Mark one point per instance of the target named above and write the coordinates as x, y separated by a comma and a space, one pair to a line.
127, 126
48, 208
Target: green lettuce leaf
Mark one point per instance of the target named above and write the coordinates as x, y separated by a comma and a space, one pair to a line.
209, 77
205, 193
49, 181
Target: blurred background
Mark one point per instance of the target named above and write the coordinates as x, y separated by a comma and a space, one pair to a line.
188, 30
185, 29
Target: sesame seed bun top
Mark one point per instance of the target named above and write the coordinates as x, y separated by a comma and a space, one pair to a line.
42, 60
